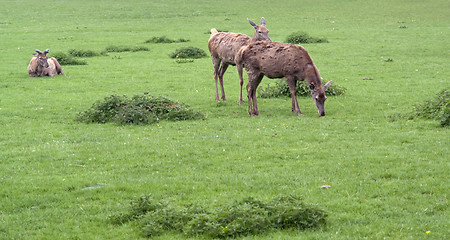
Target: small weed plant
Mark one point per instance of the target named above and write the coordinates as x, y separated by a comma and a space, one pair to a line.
188, 52
140, 109
249, 216
281, 88
302, 37
165, 39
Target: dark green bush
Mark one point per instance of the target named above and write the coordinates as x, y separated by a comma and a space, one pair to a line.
113, 48
164, 39
141, 109
65, 59
436, 108
281, 88
302, 37
249, 216
188, 52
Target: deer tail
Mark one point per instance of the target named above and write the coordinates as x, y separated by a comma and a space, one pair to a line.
214, 31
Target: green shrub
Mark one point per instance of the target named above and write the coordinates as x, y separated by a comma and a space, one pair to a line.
188, 52
436, 108
114, 48
65, 59
281, 88
249, 216
141, 109
302, 37
164, 39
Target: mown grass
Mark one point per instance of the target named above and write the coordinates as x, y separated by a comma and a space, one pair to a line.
62, 179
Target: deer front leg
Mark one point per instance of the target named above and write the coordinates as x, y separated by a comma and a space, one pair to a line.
292, 83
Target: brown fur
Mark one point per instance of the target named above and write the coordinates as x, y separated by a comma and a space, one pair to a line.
40, 65
224, 46
278, 60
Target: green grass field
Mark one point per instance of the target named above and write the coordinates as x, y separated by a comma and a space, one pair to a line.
62, 179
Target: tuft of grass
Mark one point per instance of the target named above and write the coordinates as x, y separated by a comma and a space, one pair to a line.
164, 39
302, 37
281, 88
188, 52
237, 219
114, 48
139, 110
66, 59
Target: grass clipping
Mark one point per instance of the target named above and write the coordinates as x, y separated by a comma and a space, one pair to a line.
139, 110
249, 216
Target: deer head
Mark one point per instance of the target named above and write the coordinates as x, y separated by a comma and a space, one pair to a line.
41, 58
318, 96
261, 32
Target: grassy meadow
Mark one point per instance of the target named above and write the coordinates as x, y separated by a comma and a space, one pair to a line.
62, 179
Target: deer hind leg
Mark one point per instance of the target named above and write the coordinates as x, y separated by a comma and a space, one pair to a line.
216, 64
222, 71
58, 67
241, 81
292, 83
252, 85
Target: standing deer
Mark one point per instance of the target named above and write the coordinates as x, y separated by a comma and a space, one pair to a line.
40, 65
224, 47
277, 60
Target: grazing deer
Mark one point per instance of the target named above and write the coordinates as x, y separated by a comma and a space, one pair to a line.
224, 46
40, 65
278, 60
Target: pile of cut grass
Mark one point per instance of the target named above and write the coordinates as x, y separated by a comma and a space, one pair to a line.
436, 108
188, 52
302, 37
139, 110
67, 59
165, 39
114, 48
281, 88
249, 216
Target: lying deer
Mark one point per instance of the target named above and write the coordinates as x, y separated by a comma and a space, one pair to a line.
278, 60
40, 65
224, 46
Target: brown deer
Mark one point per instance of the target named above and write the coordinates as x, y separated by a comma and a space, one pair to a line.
278, 60
224, 46
40, 65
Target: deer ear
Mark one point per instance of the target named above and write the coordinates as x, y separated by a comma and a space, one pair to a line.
35, 54
327, 85
38, 51
252, 23
263, 21
46, 51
